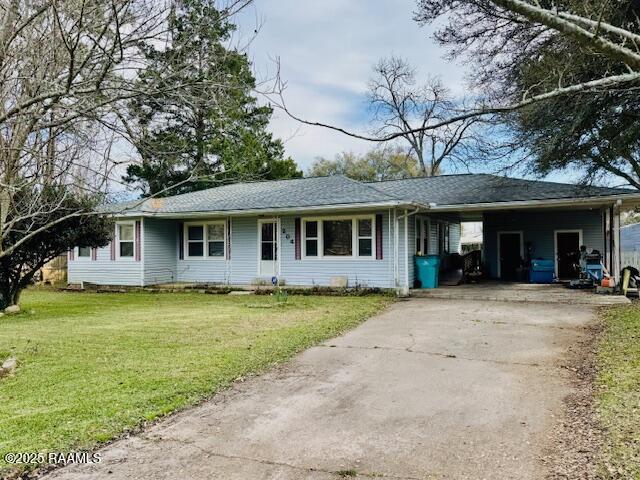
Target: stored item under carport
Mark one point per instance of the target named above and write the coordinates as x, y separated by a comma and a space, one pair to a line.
541, 271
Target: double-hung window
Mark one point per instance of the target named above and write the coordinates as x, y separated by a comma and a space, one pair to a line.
215, 239
126, 240
365, 237
339, 237
84, 252
205, 240
195, 240
311, 238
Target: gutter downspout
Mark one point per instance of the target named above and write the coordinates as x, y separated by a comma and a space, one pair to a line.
403, 291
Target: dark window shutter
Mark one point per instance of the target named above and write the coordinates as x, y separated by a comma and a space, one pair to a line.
181, 241
138, 246
71, 253
298, 239
379, 236
229, 238
94, 253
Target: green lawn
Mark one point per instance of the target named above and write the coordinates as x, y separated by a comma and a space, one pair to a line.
94, 365
618, 398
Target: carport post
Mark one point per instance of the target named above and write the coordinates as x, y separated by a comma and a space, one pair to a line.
616, 241
405, 287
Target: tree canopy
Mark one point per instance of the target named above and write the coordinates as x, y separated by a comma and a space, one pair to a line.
387, 163
55, 232
212, 128
524, 50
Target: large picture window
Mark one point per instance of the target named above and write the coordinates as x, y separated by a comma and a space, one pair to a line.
126, 247
339, 237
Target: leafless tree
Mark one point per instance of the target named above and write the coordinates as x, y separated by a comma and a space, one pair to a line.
401, 105
66, 68
493, 25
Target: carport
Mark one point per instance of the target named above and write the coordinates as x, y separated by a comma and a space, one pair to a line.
516, 232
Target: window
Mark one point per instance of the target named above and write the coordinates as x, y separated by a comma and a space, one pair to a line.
205, 240
125, 240
195, 240
337, 238
365, 237
215, 239
84, 252
446, 238
311, 238
443, 238
422, 236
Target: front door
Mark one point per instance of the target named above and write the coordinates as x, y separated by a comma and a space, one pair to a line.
510, 256
568, 255
268, 247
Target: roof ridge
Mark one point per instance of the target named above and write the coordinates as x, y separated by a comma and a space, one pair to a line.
424, 177
246, 182
368, 185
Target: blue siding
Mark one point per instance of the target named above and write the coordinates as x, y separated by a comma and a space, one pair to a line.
205, 270
630, 238
160, 255
318, 271
538, 228
104, 271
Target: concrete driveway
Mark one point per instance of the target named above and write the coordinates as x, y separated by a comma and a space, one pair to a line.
428, 389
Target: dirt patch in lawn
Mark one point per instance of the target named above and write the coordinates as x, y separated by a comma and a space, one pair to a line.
576, 440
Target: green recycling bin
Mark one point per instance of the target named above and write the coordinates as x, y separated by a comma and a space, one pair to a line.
427, 269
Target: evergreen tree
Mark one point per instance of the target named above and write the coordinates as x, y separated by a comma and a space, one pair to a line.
205, 124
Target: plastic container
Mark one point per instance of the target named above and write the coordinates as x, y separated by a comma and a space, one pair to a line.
427, 269
541, 271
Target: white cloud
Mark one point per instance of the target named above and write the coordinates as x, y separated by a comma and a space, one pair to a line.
327, 50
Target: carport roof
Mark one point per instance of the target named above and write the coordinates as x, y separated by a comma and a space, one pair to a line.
471, 189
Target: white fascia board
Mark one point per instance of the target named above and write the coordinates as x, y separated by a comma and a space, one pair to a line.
627, 199
270, 211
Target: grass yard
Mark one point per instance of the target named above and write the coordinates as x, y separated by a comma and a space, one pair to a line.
618, 400
91, 366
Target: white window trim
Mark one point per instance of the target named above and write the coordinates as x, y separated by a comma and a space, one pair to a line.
555, 245
83, 259
354, 237
205, 240
117, 240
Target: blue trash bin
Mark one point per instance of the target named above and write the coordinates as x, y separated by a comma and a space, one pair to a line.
541, 271
427, 269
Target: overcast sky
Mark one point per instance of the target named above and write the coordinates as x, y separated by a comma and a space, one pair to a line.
327, 50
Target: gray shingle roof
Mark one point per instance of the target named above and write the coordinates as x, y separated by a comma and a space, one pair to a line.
275, 194
485, 188
339, 190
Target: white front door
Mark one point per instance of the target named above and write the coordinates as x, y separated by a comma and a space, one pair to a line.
268, 247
